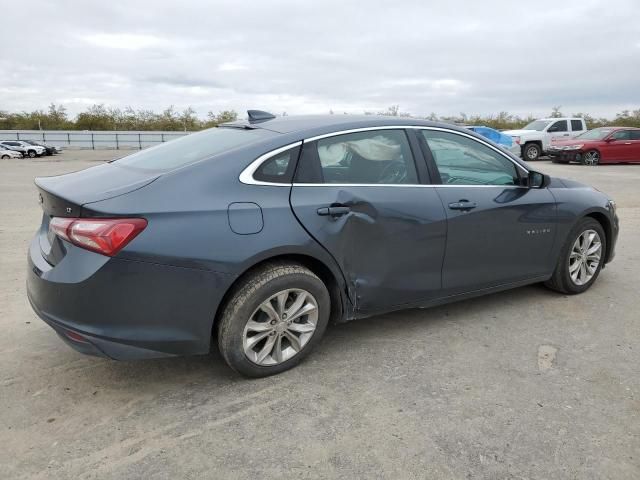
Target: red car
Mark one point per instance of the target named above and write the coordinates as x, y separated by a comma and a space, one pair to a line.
600, 145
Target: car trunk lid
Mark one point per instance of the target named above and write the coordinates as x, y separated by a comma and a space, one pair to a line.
65, 195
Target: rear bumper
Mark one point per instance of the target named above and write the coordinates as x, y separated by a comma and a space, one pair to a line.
125, 309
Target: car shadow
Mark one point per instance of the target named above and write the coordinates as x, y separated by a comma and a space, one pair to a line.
212, 370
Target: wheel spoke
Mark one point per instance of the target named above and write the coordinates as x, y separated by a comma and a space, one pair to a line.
301, 327
308, 308
253, 340
594, 248
281, 301
296, 305
277, 351
575, 266
583, 273
267, 307
293, 340
254, 326
267, 348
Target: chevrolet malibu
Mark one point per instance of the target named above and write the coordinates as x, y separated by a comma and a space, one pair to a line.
256, 234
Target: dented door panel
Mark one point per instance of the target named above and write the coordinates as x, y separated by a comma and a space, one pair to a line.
388, 240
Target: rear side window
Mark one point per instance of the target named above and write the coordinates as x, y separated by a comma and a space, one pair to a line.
279, 168
371, 157
559, 126
576, 125
635, 134
194, 147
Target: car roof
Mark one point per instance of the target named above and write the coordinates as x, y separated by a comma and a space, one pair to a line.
318, 124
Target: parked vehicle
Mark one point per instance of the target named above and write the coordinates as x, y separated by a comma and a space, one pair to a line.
27, 149
49, 149
258, 233
5, 153
536, 137
505, 141
600, 145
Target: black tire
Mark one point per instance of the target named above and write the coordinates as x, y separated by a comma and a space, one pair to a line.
32, 153
257, 287
561, 280
4, 157
531, 152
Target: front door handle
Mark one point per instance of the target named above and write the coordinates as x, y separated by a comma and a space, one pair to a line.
336, 211
463, 205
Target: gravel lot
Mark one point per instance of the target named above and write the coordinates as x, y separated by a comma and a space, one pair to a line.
520, 384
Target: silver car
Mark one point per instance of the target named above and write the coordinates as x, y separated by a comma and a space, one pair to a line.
5, 154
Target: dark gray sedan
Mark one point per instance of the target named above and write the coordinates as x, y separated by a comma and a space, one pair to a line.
257, 234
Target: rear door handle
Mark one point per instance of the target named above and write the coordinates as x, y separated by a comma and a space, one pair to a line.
334, 211
463, 205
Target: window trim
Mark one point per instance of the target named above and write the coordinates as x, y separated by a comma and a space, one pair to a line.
246, 176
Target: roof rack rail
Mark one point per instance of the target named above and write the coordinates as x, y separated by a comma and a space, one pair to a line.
259, 116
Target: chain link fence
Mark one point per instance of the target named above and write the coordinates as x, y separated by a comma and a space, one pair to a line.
92, 140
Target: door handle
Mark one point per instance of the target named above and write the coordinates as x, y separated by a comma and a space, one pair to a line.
336, 211
627, 143
565, 134
463, 205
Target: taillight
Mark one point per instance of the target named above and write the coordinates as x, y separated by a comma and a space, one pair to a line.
101, 235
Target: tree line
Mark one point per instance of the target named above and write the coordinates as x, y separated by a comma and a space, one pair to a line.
101, 117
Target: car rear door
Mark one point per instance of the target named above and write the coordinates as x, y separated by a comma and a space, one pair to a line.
498, 232
635, 146
366, 200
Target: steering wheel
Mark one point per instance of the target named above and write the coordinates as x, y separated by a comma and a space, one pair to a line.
394, 172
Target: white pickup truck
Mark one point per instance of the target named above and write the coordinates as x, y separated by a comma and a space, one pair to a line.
535, 138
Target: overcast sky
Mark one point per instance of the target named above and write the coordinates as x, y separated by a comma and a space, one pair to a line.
309, 57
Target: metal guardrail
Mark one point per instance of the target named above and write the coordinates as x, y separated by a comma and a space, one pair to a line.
93, 140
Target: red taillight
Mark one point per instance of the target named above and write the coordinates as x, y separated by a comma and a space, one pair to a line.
102, 235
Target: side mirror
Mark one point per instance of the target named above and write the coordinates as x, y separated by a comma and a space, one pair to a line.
538, 180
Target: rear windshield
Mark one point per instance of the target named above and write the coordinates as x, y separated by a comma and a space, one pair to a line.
192, 148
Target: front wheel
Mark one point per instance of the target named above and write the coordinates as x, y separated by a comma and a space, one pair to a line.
581, 258
591, 158
273, 320
31, 153
531, 151
4, 157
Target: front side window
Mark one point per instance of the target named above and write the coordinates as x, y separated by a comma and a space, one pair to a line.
371, 157
559, 126
463, 161
621, 135
576, 125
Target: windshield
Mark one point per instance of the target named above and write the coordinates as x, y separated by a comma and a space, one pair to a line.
595, 134
537, 125
192, 148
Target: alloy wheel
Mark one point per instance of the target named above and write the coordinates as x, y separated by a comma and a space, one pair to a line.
280, 327
591, 158
532, 152
585, 257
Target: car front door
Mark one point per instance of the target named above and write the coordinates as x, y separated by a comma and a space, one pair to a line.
559, 130
498, 231
365, 199
619, 147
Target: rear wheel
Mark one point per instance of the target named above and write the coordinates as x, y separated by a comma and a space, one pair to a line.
273, 320
4, 157
531, 151
581, 258
591, 158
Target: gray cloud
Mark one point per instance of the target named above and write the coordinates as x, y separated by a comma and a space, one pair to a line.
299, 57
